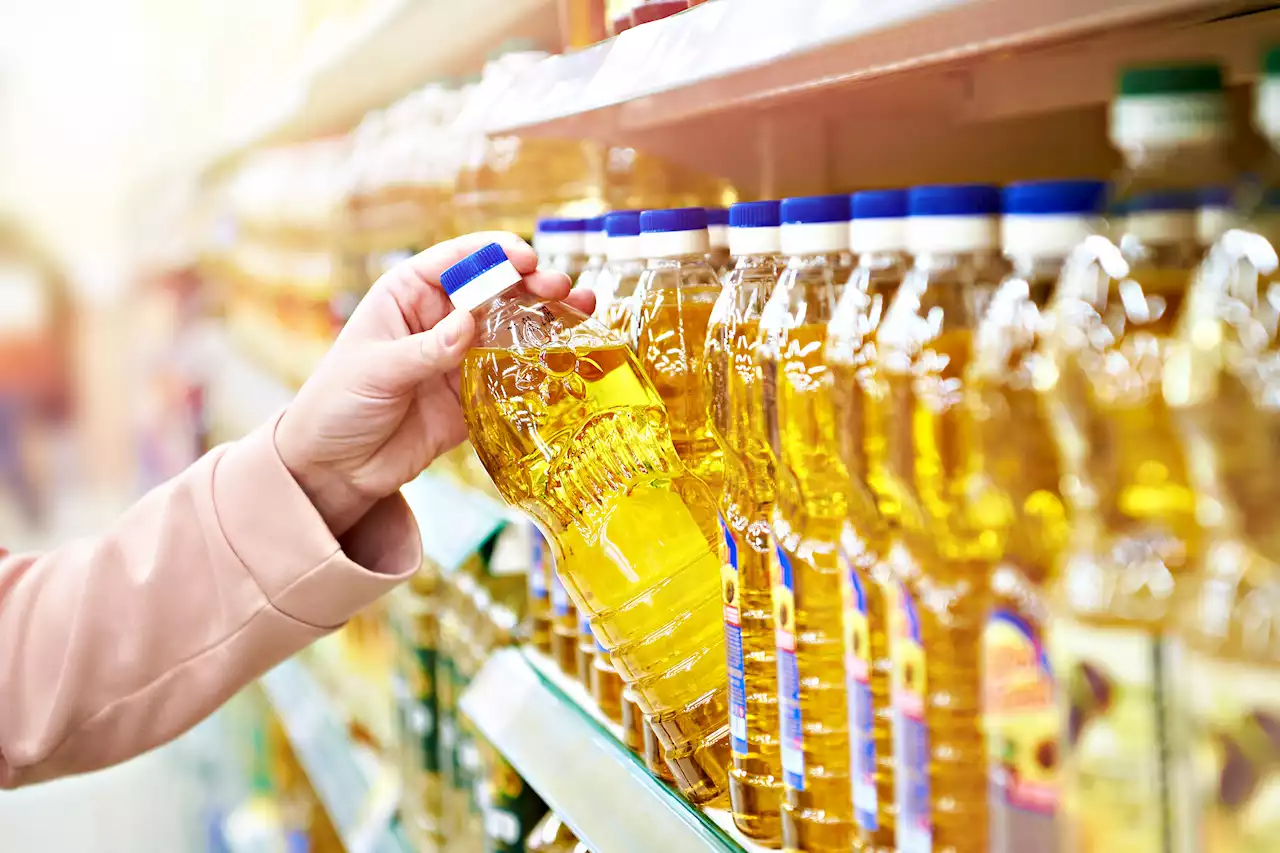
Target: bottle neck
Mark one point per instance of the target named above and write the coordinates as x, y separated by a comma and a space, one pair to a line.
754, 262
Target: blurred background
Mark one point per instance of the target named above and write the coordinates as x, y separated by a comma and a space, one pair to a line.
195, 193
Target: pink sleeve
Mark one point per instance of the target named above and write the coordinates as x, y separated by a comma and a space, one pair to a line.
113, 645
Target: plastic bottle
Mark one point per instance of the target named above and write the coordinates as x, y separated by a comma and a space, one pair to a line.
676, 293
1134, 536
943, 556
877, 239
718, 237
746, 501
539, 593
595, 244
572, 433
561, 245
1222, 385
616, 285
1044, 221
605, 684
809, 511
564, 623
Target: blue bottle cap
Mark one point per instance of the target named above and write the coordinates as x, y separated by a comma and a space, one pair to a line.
755, 214
675, 219
717, 215
1220, 197
954, 200
1168, 201
879, 204
815, 209
1082, 198
557, 225
472, 267
622, 223
594, 224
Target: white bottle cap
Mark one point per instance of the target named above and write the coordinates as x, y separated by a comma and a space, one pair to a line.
479, 277
674, 233
625, 248
765, 240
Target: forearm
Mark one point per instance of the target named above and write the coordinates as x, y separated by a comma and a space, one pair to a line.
113, 645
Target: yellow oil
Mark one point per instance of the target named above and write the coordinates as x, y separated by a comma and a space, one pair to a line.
851, 357
1020, 496
605, 684
615, 296
1222, 384
633, 724
1132, 548
586, 651
735, 383
810, 511
672, 315
943, 556
564, 624
574, 435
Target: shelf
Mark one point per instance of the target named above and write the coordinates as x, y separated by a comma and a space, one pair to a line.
547, 727
455, 520
397, 46
242, 395
817, 94
359, 794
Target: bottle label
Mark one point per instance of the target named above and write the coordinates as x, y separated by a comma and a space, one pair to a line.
857, 668
784, 623
1233, 711
538, 571
910, 729
733, 644
1113, 765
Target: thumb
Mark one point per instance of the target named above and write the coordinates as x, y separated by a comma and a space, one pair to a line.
414, 359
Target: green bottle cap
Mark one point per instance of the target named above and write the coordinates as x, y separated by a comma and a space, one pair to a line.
1188, 79
1271, 61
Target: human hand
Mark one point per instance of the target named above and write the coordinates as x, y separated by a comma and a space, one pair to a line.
384, 401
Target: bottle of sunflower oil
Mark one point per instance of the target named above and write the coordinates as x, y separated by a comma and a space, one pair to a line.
737, 421
943, 556
605, 684
586, 651
571, 431
595, 243
877, 239
616, 285
1134, 537
564, 624
676, 293
561, 245
809, 510
1044, 221
1224, 392
539, 606
720, 258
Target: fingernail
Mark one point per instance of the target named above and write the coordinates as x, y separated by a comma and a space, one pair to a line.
449, 330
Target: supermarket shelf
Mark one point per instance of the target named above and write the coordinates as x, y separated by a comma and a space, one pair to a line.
359, 795
242, 395
398, 45
819, 94
548, 728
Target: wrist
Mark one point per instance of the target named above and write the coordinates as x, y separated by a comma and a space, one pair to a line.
337, 501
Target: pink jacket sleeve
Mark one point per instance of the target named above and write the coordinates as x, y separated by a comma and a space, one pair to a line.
113, 645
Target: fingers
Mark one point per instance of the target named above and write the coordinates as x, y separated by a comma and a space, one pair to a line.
428, 265
548, 284
406, 362
583, 299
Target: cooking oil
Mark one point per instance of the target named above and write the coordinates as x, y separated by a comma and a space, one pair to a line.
943, 554
616, 285
719, 256
1019, 475
809, 511
1221, 385
746, 501
605, 684
561, 245
564, 625
586, 651
877, 240
595, 245
572, 433
676, 293
1134, 539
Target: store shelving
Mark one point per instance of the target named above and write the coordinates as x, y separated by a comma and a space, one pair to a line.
395, 46
358, 793
547, 727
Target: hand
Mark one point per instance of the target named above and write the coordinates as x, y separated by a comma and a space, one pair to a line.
383, 404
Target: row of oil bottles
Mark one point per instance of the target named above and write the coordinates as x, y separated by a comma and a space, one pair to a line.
458, 792
970, 490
